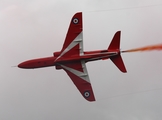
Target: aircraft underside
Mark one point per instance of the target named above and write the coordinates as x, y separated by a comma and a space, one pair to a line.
72, 59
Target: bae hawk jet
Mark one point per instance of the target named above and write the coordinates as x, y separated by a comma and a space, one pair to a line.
72, 58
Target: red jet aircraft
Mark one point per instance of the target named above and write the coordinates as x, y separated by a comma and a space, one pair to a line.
72, 58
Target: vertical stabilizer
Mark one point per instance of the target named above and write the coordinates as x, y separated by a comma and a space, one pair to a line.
115, 43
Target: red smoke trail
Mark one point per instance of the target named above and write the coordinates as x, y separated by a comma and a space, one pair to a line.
147, 48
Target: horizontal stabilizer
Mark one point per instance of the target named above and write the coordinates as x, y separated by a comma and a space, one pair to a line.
117, 60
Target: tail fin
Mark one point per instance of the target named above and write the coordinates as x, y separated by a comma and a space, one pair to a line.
115, 43
115, 47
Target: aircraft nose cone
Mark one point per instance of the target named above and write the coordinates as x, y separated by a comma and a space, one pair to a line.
21, 65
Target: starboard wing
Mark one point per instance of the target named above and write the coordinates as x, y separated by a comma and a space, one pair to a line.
78, 73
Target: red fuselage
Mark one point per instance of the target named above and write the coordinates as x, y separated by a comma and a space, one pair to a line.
51, 61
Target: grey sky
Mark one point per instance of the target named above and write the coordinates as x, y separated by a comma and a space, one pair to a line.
37, 28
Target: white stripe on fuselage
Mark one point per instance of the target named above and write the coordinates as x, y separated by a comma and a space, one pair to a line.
106, 55
102, 53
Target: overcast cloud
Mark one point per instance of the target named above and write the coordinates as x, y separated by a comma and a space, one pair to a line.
37, 28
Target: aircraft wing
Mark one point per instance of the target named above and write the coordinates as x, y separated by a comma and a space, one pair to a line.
73, 44
77, 71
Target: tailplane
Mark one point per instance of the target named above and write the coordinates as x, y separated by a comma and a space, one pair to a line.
117, 60
115, 47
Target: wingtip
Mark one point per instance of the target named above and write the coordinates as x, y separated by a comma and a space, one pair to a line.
124, 71
89, 95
